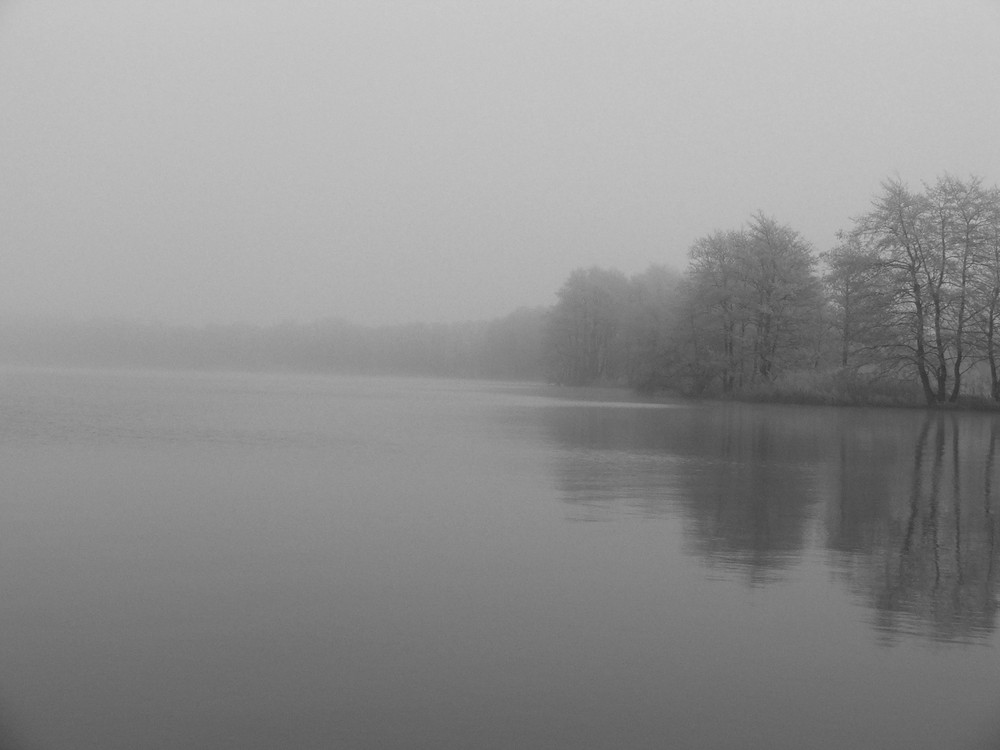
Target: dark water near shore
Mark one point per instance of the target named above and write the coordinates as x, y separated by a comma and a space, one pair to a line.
263, 561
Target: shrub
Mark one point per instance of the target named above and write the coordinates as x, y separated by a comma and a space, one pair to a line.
842, 387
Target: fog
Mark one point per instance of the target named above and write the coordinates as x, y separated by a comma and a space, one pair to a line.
381, 162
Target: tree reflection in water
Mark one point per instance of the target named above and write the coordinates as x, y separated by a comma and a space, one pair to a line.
746, 487
926, 562
900, 503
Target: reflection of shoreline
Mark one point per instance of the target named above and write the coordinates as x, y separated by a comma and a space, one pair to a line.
909, 518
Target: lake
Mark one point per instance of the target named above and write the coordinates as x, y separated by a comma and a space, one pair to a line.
277, 561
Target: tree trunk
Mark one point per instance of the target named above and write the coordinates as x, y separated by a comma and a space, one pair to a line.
941, 369
956, 386
991, 352
960, 325
921, 351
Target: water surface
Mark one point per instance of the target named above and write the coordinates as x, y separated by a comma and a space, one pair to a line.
261, 561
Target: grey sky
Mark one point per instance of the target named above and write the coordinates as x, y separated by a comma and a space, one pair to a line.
250, 160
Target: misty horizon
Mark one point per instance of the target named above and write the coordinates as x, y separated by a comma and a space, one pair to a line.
382, 163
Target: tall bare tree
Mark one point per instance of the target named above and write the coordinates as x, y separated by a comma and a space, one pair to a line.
962, 211
649, 330
895, 231
718, 299
988, 292
858, 301
585, 326
784, 294
756, 301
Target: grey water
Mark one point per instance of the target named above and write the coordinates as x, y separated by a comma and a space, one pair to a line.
286, 561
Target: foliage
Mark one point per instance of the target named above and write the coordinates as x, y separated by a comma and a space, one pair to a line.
932, 275
753, 306
910, 297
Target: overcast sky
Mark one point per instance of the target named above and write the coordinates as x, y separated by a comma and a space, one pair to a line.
200, 161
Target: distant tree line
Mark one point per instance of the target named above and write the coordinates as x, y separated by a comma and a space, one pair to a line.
508, 348
910, 295
907, 301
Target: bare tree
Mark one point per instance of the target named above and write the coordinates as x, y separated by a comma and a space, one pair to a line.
757, 301
718, 295
858, 300
987, 312
784, 292
585, 325
895, 230
963, 211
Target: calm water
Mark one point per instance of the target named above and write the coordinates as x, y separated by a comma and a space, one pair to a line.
262, 561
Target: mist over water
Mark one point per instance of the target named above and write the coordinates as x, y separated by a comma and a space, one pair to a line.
261, 560
231, 228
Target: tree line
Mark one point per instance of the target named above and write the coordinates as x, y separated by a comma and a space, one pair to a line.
907, 304
507, 348
909, 296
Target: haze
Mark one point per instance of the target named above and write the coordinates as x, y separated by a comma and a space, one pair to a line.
192, 162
